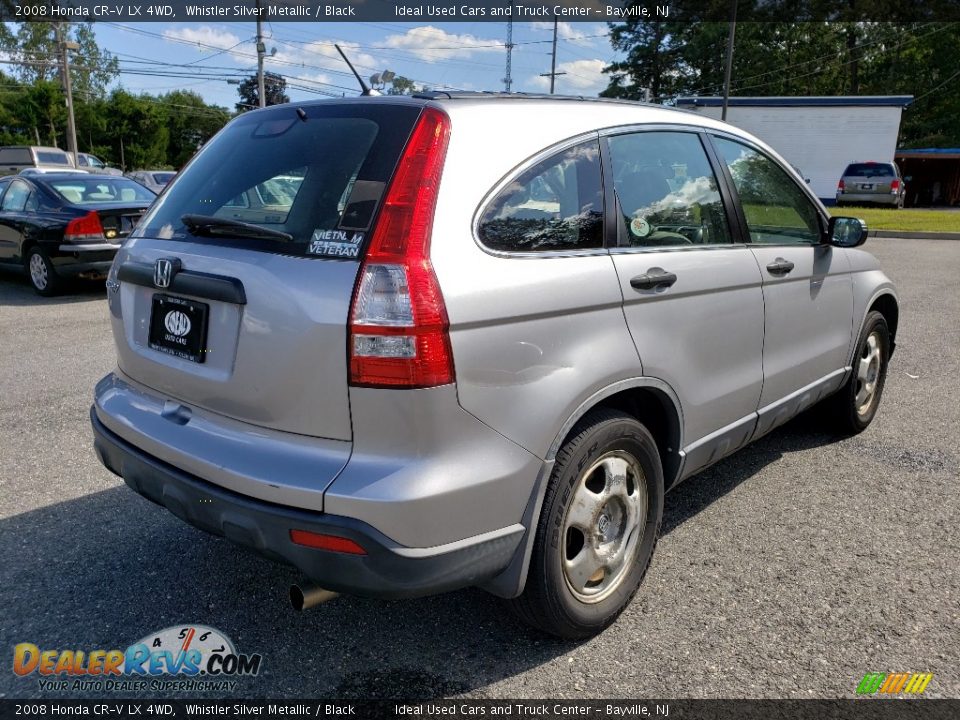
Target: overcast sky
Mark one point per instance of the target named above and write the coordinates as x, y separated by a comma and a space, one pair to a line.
200, 56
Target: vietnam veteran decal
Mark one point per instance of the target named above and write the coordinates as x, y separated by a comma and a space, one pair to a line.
335, 243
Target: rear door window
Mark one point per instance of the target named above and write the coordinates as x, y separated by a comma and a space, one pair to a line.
555, 206
15, 200
313, 183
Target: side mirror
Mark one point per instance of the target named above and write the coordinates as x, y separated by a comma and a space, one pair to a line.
846, 232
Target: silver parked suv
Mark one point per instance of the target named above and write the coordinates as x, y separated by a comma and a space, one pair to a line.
472, 339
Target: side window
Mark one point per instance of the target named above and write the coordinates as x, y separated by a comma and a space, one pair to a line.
16, 197
556, 205
778, 212
667, 192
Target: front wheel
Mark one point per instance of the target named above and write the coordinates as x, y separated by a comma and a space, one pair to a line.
598, 527
856, 403
43, 276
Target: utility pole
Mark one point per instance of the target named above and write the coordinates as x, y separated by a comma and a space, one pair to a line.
261, 51
553, 60
729, 64
65, 47
507, 80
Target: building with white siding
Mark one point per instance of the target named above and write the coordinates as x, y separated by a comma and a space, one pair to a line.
818, 135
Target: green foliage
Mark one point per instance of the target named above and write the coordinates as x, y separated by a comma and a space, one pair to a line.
401, 86
274, 86
842, 57
36, 46
123, 129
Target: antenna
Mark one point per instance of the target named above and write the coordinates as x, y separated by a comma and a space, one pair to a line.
363, 85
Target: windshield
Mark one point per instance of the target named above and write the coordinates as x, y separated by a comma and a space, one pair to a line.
80, 190
316, 176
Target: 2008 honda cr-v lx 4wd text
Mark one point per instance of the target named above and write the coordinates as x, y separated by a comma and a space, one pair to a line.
470, 340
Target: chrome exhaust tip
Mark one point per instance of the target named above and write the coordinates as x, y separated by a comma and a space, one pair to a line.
306, 596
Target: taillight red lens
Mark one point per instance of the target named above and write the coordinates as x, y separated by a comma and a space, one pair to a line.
398, 323
84, 229
321, 541
840, 186
894, 186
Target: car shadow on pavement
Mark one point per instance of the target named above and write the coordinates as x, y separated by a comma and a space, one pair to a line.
804, 432
103, 570
15, 290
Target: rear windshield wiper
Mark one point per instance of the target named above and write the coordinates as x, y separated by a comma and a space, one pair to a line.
209, 225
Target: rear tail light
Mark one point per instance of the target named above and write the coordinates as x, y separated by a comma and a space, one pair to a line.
840, 186
894, 187
84, 229
399, 333
322, 541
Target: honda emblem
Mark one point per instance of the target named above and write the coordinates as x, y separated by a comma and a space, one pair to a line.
164, 270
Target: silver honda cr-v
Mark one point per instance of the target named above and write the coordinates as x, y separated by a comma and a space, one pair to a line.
415, 344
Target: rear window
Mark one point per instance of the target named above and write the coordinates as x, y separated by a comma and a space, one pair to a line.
870, 170
80, 190
163, 178
52, 157
313, 183
15, 156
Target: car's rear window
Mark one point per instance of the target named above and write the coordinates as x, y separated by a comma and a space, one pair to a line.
15, 156
315, 174
93, 190
163, 178
51, 157
870, 170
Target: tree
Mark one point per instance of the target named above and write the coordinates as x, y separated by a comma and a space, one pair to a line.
190, 122
846, 56
275, 88
36, 47
137, 129
401, 86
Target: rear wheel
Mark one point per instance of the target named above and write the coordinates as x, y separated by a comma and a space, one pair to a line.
598, 527
855, 404
43, 276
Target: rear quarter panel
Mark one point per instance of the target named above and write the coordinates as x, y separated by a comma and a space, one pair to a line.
532, 336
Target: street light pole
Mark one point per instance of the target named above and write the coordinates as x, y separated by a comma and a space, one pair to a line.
65, 47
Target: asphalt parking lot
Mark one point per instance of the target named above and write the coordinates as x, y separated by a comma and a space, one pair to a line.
788, 570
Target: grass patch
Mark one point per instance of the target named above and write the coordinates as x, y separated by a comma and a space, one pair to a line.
908, 220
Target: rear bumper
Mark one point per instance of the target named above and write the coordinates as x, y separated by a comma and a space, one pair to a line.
388, 569
75, 259
867, 198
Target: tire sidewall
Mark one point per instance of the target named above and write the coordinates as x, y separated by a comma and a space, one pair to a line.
875, 323
624, 435
52, 278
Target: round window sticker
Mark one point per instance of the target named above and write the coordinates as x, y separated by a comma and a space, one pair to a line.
640, 227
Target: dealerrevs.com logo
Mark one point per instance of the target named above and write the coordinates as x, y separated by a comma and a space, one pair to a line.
179, 658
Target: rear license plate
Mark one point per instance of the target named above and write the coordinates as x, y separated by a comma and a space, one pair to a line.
179, 327
868, 186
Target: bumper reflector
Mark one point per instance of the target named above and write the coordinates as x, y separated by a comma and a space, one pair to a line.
320, 541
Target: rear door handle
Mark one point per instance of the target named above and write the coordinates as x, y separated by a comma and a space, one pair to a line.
780, 266
653, 279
